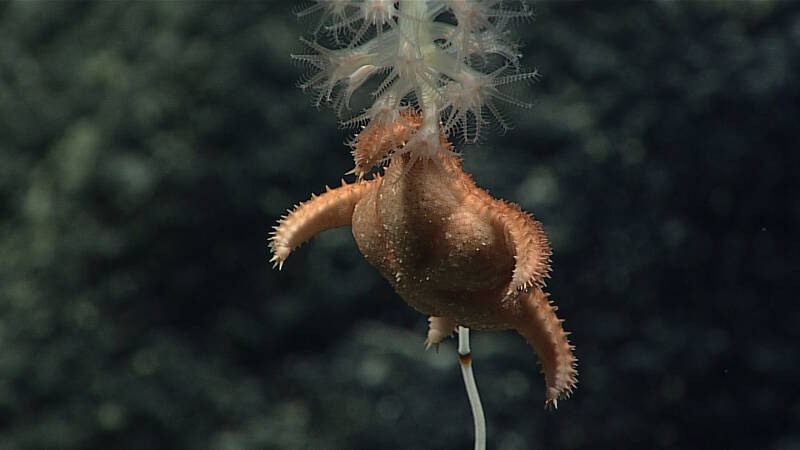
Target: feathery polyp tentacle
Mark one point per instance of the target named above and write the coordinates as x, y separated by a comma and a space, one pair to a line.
332, 209
543, 330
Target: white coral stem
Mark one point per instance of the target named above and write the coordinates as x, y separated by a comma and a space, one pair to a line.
465, 357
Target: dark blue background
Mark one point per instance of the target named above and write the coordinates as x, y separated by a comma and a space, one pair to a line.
146, 148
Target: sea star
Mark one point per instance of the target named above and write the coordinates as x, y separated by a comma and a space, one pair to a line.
448, 248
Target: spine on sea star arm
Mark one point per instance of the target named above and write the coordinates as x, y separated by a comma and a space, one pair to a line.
332, 209
544, 331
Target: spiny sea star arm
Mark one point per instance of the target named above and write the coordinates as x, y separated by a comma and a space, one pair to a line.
439, 328
378, 139
544, 331
332, 209
528, 241
524, 236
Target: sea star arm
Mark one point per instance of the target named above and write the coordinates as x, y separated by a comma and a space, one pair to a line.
524, 236
378, 139
528, 241
332, 209
539, 325
439, 328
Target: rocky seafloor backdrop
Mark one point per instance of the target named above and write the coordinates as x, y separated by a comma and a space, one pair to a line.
146, 148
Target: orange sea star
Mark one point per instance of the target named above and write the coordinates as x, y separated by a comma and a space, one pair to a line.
448, 248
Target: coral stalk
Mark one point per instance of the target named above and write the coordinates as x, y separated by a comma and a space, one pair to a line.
465, 358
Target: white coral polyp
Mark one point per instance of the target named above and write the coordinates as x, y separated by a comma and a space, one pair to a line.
378, 12
450, 73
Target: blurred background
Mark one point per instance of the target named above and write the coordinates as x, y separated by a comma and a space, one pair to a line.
146, 148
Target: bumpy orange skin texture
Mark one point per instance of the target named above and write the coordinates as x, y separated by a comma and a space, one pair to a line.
374, 143
450, 250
